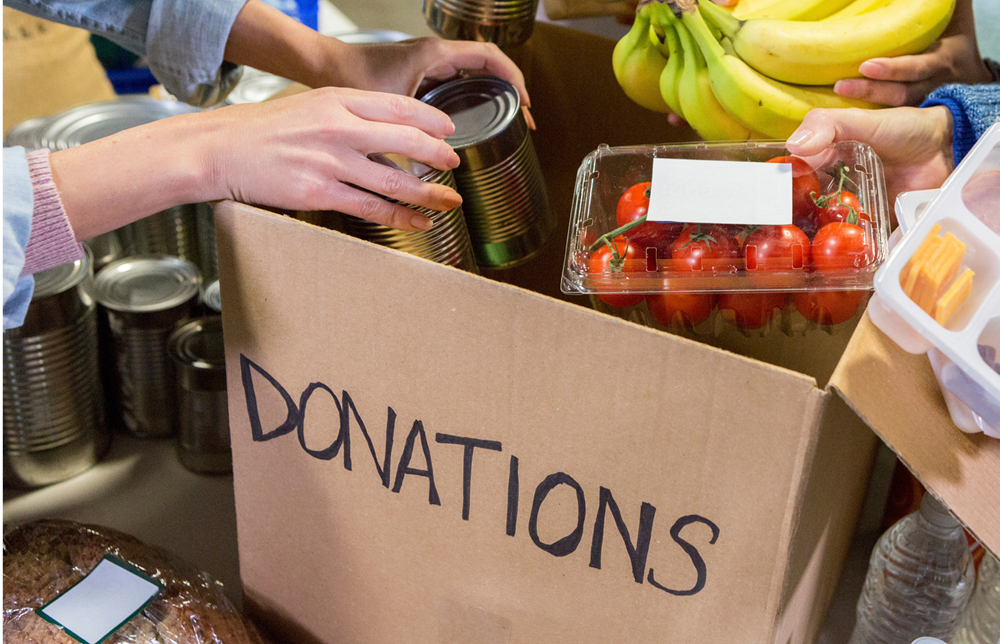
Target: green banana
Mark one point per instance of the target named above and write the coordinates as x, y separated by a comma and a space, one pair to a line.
701, 108
823, 52
670, 78
638, 63
764, 105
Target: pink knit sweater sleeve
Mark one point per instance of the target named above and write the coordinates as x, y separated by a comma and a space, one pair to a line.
52, 241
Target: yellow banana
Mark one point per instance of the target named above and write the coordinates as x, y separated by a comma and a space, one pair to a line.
821, 53
857, 8
638, 63
794, 10
701, 109
761, 104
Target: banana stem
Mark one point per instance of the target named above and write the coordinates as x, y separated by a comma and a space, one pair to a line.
720, 18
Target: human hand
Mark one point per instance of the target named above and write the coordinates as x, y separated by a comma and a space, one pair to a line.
305, 152
914, 144
907, 80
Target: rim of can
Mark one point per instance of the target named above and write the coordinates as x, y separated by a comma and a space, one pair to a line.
213, 297
256, 87
97, 120
481, 107
198, 344
146, 283
27, 134
59, 279
367, 36
410, 166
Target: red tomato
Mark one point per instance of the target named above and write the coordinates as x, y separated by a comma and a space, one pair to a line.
804, 184
749, 310
828, 307
840, 245
634, 203
704, 247
680, 310
776, 248
846, 208
603, 260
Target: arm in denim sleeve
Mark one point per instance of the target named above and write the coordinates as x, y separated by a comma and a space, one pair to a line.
17, 212
183, 40
974, 108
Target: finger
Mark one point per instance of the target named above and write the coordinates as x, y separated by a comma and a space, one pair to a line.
406, 141
398, 110
528, 118
479, 57
399, 185
884, 92
920, 67
676, 120
822, 128
344, 198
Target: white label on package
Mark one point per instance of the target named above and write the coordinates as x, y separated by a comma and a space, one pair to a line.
721, 192
110, 595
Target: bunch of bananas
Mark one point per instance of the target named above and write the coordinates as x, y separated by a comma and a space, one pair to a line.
755, 71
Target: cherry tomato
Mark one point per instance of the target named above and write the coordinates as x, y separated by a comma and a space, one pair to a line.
749, 310
680, 310
846, 208
840, 245
603, 260
776, 248
634, 203
702, 247
828, 307
804, 184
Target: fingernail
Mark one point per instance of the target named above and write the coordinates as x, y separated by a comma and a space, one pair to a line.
842, 87
872, 69
452, 199
420, 222
454, 161
451, 127
800, 136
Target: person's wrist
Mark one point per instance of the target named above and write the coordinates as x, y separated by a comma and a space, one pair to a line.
945, 127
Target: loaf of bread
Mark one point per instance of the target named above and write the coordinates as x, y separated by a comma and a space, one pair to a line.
44, 558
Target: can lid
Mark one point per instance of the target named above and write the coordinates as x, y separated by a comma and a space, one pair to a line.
213, 297
95, 121
398, 162
256, 87
27, 134
144, 284
481, 107
198, 344
60, 279
370, 36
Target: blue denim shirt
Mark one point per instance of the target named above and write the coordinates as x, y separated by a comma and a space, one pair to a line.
183, 41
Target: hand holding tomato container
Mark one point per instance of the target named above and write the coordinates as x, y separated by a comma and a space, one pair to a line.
814, 270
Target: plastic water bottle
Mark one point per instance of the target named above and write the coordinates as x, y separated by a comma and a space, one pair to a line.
981, 623
919, 580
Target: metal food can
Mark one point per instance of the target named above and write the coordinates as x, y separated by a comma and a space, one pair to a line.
105, 249
499, 177
507, 23
199, 357
256, 86
212, 297
27, 134
53, 409
446, 242
142, 299
174, 231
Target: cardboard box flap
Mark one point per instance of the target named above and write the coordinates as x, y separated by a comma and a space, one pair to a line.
897, 395
548, 462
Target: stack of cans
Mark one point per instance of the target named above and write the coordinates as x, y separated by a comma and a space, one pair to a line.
446, 242
507, 23
53, 413
500, 179
142, 299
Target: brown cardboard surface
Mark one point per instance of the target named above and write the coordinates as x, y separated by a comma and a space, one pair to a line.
690, 430
897, 395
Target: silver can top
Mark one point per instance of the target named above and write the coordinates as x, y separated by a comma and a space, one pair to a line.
95, 121
27, 134
407, 165
481, 107
60, 279
256, 87
370, 36
146, 284
198, 344
213, 297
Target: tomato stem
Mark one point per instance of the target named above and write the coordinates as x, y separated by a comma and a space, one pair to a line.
621, 230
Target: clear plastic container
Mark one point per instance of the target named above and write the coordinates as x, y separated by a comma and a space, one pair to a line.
981, 623
733, 281
964, 349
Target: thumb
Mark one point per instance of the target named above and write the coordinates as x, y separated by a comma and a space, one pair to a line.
822, 128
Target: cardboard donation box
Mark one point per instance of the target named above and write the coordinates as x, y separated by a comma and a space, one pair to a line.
426, 455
